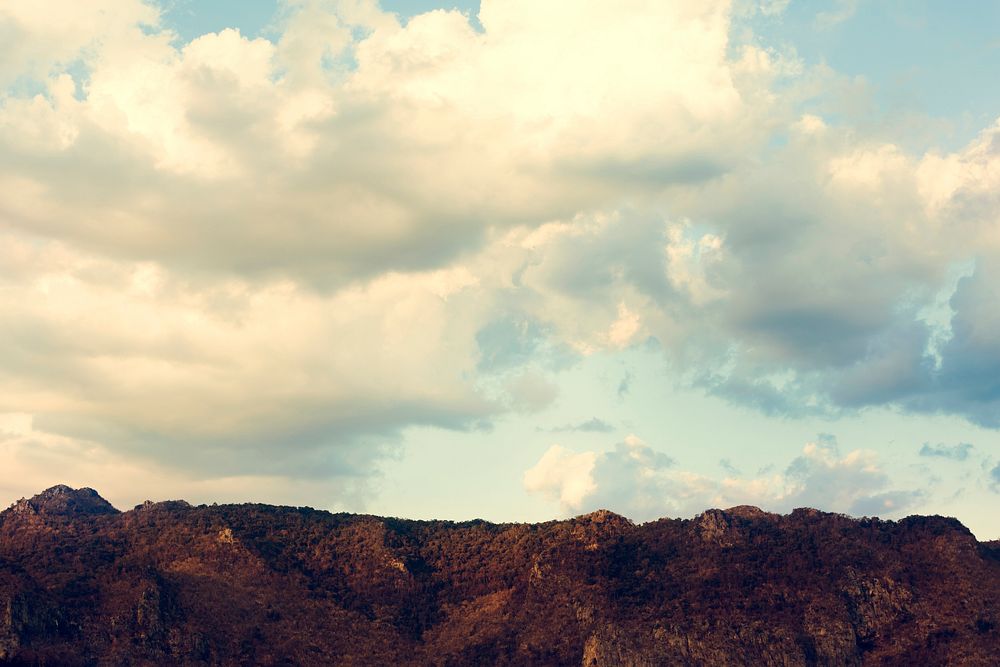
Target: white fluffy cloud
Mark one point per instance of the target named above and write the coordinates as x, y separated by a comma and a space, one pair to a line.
252, 256
41, 37
642, 483
330, 157
563, 475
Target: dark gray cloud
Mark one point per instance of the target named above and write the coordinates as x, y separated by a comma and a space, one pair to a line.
968, 379
789, 399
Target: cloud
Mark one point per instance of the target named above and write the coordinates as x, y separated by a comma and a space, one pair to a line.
530, 392
35, 460
964, 380
592, 425
728, 467
248, 254
625, 385
636, 480
992, 473
632, 478
274, 256
355, 145
562, 475
959, 452
814, 299
508, 342
234, 377
627, 475
39, 39
820, 477
773, 7
843, 10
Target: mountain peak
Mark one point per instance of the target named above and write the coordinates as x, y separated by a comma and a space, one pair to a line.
63, 500
603, 516
749, 512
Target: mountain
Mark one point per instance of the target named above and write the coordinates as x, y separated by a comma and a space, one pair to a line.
65, 501
170, 583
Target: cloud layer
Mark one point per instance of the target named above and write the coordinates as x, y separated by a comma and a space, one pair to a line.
272, 257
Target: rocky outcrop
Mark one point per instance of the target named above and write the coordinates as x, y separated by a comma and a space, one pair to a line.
61, 500
28, 614
170, 583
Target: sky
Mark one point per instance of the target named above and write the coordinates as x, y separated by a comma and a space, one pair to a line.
514, 260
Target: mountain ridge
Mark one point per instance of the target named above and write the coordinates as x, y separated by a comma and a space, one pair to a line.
41, 502
231, 584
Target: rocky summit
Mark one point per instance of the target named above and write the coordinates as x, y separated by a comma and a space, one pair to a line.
169, 583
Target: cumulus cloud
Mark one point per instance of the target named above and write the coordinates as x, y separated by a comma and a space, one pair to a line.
246, 254
855, 483
562, 475
959, 452
814, 298
247, 156
39, 39
642, 483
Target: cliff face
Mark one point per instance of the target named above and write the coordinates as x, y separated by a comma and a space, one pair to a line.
81, 584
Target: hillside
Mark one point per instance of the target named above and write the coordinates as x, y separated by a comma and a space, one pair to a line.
169, 583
